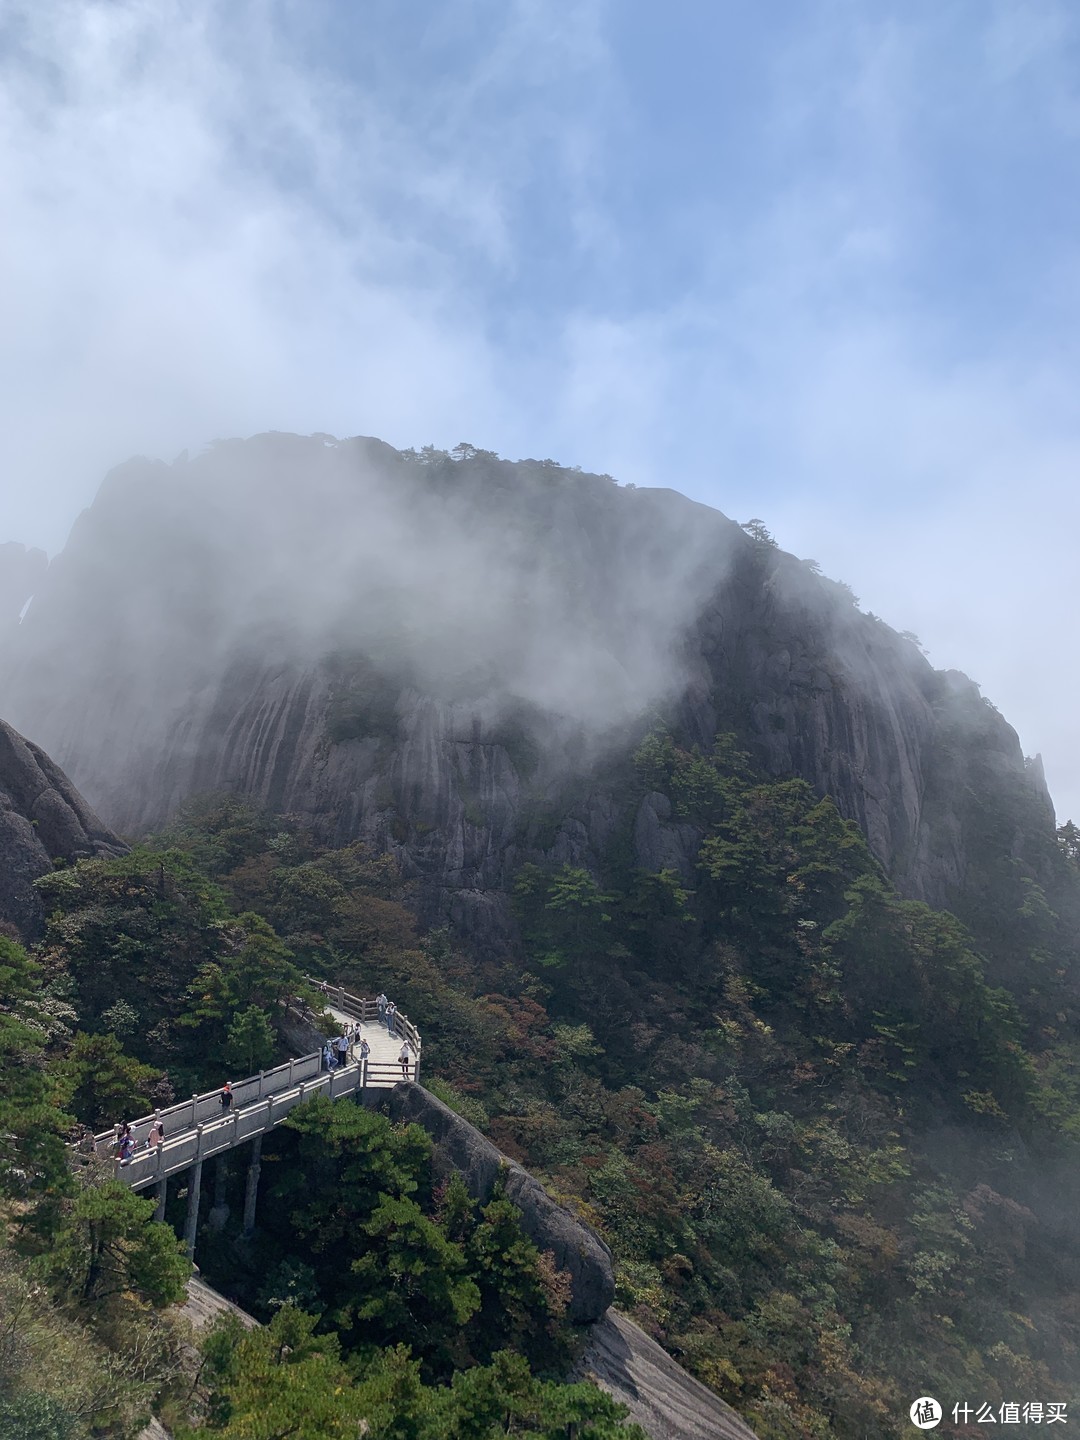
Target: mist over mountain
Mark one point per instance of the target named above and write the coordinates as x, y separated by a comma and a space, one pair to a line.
652, 832
21, 571
447, 654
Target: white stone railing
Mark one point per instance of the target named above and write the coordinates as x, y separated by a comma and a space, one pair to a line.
198, 1128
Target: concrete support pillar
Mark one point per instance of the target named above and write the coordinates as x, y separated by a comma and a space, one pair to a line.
193, 1194
252, 1190
162, 1193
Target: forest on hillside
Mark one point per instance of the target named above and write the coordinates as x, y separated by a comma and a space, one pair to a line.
827, 1131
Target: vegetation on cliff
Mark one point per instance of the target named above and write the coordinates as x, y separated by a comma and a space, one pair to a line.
823, 1128
388, 1301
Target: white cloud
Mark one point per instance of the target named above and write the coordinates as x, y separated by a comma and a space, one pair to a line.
212, 225
208, 233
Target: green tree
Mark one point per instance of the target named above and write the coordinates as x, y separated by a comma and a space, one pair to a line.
564, 913
1068, 838
101, 1084
757, 531
33, 1416
109, 1243
251, 1040
346, 1159
411, 1283
284, 1382
503, 1398
32, 1156
255, 970
280, 1382
130, 935
522, 1297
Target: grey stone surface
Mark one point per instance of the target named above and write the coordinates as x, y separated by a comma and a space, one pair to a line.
300, 1034
665, 1401
202, 1308
42, 818
153, 666
460, 1147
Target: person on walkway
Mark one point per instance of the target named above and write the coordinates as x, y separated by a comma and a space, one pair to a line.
156, 1135
126, 1148
391, 1016
225, 1098
342, 1043
404, 1058
382, 1002
363, 1050
329, 1059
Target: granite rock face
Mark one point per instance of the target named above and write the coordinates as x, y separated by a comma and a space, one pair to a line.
460, 1147
42, 818
448, 659
665, 1401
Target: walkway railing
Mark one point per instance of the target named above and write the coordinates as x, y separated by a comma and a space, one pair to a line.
198, 1128
367, 1011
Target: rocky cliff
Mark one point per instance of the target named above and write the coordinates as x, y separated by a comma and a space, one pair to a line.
450, 657
43, 818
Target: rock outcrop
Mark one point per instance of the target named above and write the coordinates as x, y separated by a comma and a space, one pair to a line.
665, 1401
446, 659
460, 1148
43, 818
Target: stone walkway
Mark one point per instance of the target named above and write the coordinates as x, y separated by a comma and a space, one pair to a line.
199, 1128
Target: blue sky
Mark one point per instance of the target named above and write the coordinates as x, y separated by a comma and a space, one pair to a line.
813, 262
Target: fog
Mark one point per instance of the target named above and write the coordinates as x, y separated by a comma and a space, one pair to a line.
194, 598
505, 224
463, 580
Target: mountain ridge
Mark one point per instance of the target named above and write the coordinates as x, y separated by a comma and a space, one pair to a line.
195, 635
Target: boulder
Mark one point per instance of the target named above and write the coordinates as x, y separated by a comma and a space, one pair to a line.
43, 818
